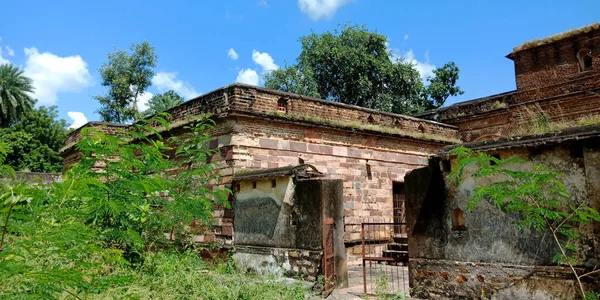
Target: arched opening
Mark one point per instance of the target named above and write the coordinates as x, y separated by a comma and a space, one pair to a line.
584, 56
458, 219
282, 105
370, 119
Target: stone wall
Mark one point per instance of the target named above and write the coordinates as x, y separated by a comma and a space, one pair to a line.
295, 263
488, 252
368, 165
258, 128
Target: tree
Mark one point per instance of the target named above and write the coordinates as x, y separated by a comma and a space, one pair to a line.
14, 98
355, 66
442, 85
162, 102
127, 74
541, 199
33, 142
291, 79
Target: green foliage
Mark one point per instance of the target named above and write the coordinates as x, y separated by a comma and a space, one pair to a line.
442, 85
184, 276
139, 193
89, 233
354, 66
127, 76
162, 102
15, 100
292, 79
33, 142
44, 248
537, 194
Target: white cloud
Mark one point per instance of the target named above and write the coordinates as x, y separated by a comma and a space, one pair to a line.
406, 37
143, 101
78, 118
232, 54
53, 74
165, 81
247, 76
262, 3
2, 59
424, 68
317, 9
10, 51
264, 60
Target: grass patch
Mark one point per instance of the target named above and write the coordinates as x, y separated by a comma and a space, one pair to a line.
186, 276
557, 37
541, 123
368, 127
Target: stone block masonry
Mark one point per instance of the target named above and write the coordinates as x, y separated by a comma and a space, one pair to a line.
258, 128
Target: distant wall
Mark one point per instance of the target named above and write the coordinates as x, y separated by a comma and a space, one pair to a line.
489, 253
36, 177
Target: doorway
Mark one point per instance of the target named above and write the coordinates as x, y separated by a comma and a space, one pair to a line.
399, 196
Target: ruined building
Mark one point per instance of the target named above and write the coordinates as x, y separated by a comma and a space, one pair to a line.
295, 162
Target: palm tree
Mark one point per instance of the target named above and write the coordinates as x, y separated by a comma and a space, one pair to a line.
15, 99
162, 102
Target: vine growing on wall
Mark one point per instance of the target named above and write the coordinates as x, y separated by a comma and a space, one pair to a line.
541, 199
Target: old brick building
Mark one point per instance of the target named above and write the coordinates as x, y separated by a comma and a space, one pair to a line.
558, 76
257, 128
457, 253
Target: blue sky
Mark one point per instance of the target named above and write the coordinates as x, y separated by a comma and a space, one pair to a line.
61, 44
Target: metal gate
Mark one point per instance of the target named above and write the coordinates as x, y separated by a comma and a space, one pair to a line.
328, 256
385, 258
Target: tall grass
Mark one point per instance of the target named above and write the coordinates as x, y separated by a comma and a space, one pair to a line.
536, 121
186, 276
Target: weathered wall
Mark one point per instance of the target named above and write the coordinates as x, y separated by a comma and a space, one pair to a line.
489, 253
339, 155
279, 229
264, 215
329, 196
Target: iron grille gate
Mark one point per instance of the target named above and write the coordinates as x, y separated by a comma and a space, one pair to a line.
385, 258
328, 256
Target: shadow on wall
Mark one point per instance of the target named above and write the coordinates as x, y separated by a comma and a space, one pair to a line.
425, 208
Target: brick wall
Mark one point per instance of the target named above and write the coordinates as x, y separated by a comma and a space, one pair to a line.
250, 135
549, 81
554, 63
260, 144
262, 101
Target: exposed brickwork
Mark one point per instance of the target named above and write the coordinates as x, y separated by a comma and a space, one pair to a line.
249, 135
548, 79
468, 280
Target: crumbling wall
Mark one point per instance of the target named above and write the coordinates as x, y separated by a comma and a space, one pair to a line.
487, 253
368, 165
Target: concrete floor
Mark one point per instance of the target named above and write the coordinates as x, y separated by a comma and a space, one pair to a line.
397, 279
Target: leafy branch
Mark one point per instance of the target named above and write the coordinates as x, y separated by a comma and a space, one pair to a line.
537, 194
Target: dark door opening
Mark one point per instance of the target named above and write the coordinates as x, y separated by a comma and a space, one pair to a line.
399, 194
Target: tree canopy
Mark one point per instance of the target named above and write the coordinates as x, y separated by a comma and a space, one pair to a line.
127, 74
355, 66
14, 94
162, 102
33, 142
